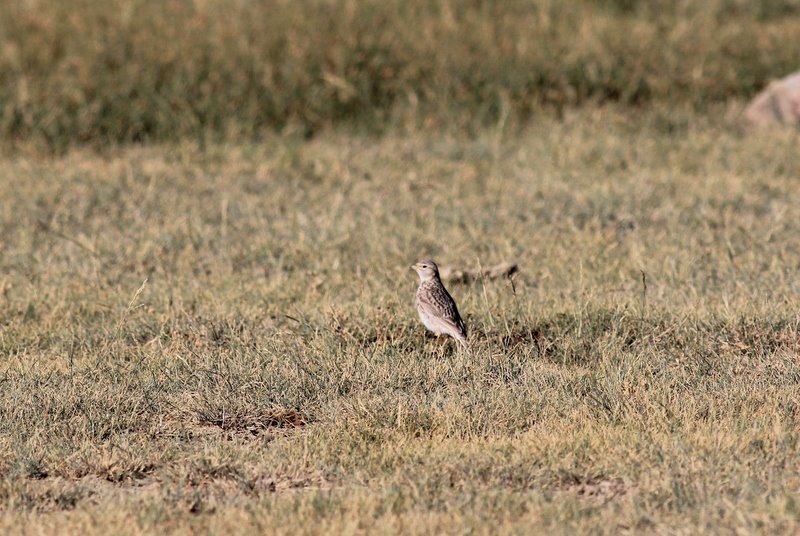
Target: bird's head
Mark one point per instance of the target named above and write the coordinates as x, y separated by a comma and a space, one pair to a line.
426, 270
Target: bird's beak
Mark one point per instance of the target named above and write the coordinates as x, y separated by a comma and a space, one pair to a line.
413, 267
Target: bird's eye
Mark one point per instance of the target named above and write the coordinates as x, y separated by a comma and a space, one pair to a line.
424, 265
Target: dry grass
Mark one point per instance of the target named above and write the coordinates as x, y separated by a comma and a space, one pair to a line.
222, 340
80, 71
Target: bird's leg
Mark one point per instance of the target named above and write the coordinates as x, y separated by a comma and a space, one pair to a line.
442, 345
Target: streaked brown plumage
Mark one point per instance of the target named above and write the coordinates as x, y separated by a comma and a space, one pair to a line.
435, 306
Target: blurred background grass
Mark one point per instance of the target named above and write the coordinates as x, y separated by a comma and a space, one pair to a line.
79, 71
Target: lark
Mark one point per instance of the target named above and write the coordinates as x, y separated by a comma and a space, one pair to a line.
435, 306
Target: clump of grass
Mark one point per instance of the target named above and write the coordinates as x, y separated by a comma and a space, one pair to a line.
231, 417
28, 468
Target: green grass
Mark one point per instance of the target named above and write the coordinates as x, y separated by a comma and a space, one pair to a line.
75, 71
223, 339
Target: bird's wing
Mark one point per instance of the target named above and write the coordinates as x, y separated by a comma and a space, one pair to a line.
442, 306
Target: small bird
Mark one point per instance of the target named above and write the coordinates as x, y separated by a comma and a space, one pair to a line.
435, 306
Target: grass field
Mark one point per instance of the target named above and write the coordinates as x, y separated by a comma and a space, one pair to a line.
222, 339
76, 72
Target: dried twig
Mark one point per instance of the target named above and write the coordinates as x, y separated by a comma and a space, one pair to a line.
455, 275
